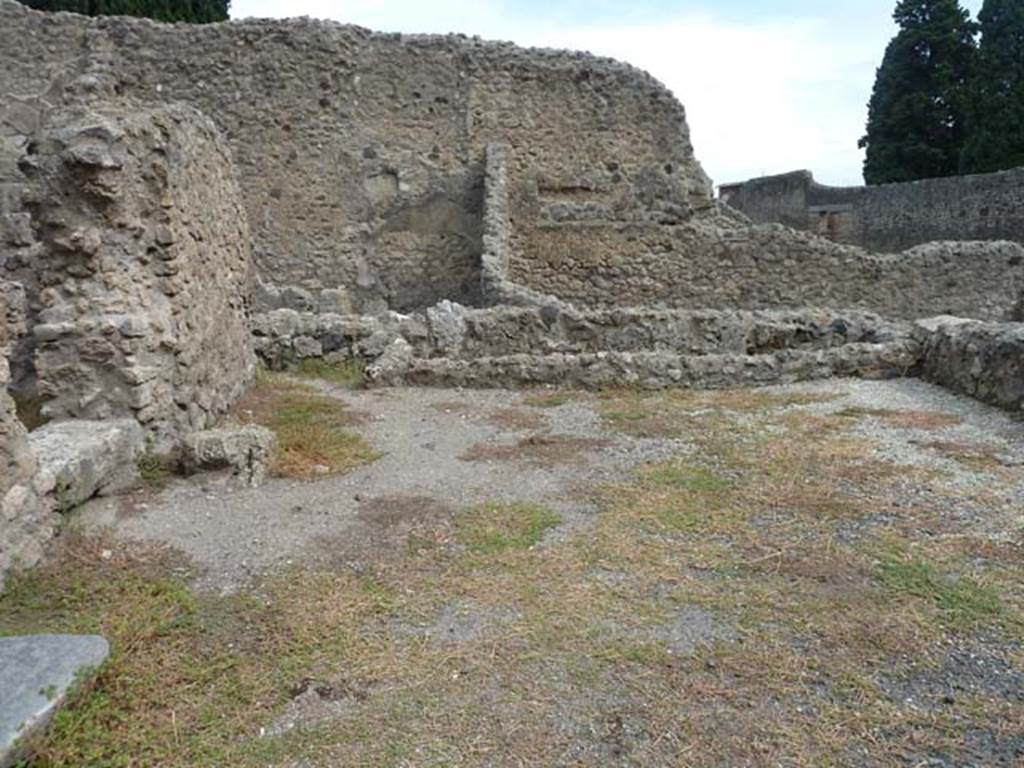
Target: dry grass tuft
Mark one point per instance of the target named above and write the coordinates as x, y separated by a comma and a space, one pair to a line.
555, 399
543, 450
976, 456
923, 420
515, 419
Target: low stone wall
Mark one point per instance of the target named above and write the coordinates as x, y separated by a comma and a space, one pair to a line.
135, 255
655, 370
450, 345
982, 360
889, 217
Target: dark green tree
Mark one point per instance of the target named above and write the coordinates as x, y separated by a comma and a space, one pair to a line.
916, 117
192, 11
995, 118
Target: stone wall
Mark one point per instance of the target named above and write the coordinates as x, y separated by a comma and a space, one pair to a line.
889, 217
125, 226
708, 263
361, 155
450, 345
27, 520
368, 162
982, 360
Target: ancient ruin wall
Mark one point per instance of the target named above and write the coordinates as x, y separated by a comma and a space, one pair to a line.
26, 519
708, 263
451, 345
982, 360
133, 248
364, 164
361, 154
889, 217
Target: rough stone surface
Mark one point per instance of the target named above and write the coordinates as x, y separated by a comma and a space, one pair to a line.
26, 518
283, 337
423, 168
36, 673
706, 262
392, 366
139, 271
80, 459
656, 370
361, 154
888, 217
983, 360
246, 451
451, 345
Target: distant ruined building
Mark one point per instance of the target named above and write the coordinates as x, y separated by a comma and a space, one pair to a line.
888, 217
180, 202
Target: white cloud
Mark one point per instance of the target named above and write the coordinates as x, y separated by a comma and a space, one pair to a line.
762, 96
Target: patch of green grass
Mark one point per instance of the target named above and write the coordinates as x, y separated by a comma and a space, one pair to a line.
962, 599
349, 374
312, 439
681, 517
491, 529
628, 412
673, 475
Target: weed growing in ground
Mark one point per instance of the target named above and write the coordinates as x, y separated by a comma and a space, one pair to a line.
349, 374
311, 429
961, 599
494, 528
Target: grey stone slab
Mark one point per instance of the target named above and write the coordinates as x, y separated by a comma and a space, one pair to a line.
80, 459
36, 672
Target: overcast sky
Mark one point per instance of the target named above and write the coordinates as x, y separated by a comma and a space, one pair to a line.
768, 86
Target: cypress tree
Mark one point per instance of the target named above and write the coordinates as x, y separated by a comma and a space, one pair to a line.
916, 117
995, 124
194, 11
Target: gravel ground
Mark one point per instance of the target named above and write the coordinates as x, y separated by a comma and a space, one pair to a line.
234, 535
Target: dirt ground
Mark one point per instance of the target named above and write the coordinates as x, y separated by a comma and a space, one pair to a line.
819, 574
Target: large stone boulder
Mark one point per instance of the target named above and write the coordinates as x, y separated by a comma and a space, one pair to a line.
82, 459
246, 451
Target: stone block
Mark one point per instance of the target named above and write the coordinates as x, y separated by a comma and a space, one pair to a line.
246, 451
36, 674
82, 459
